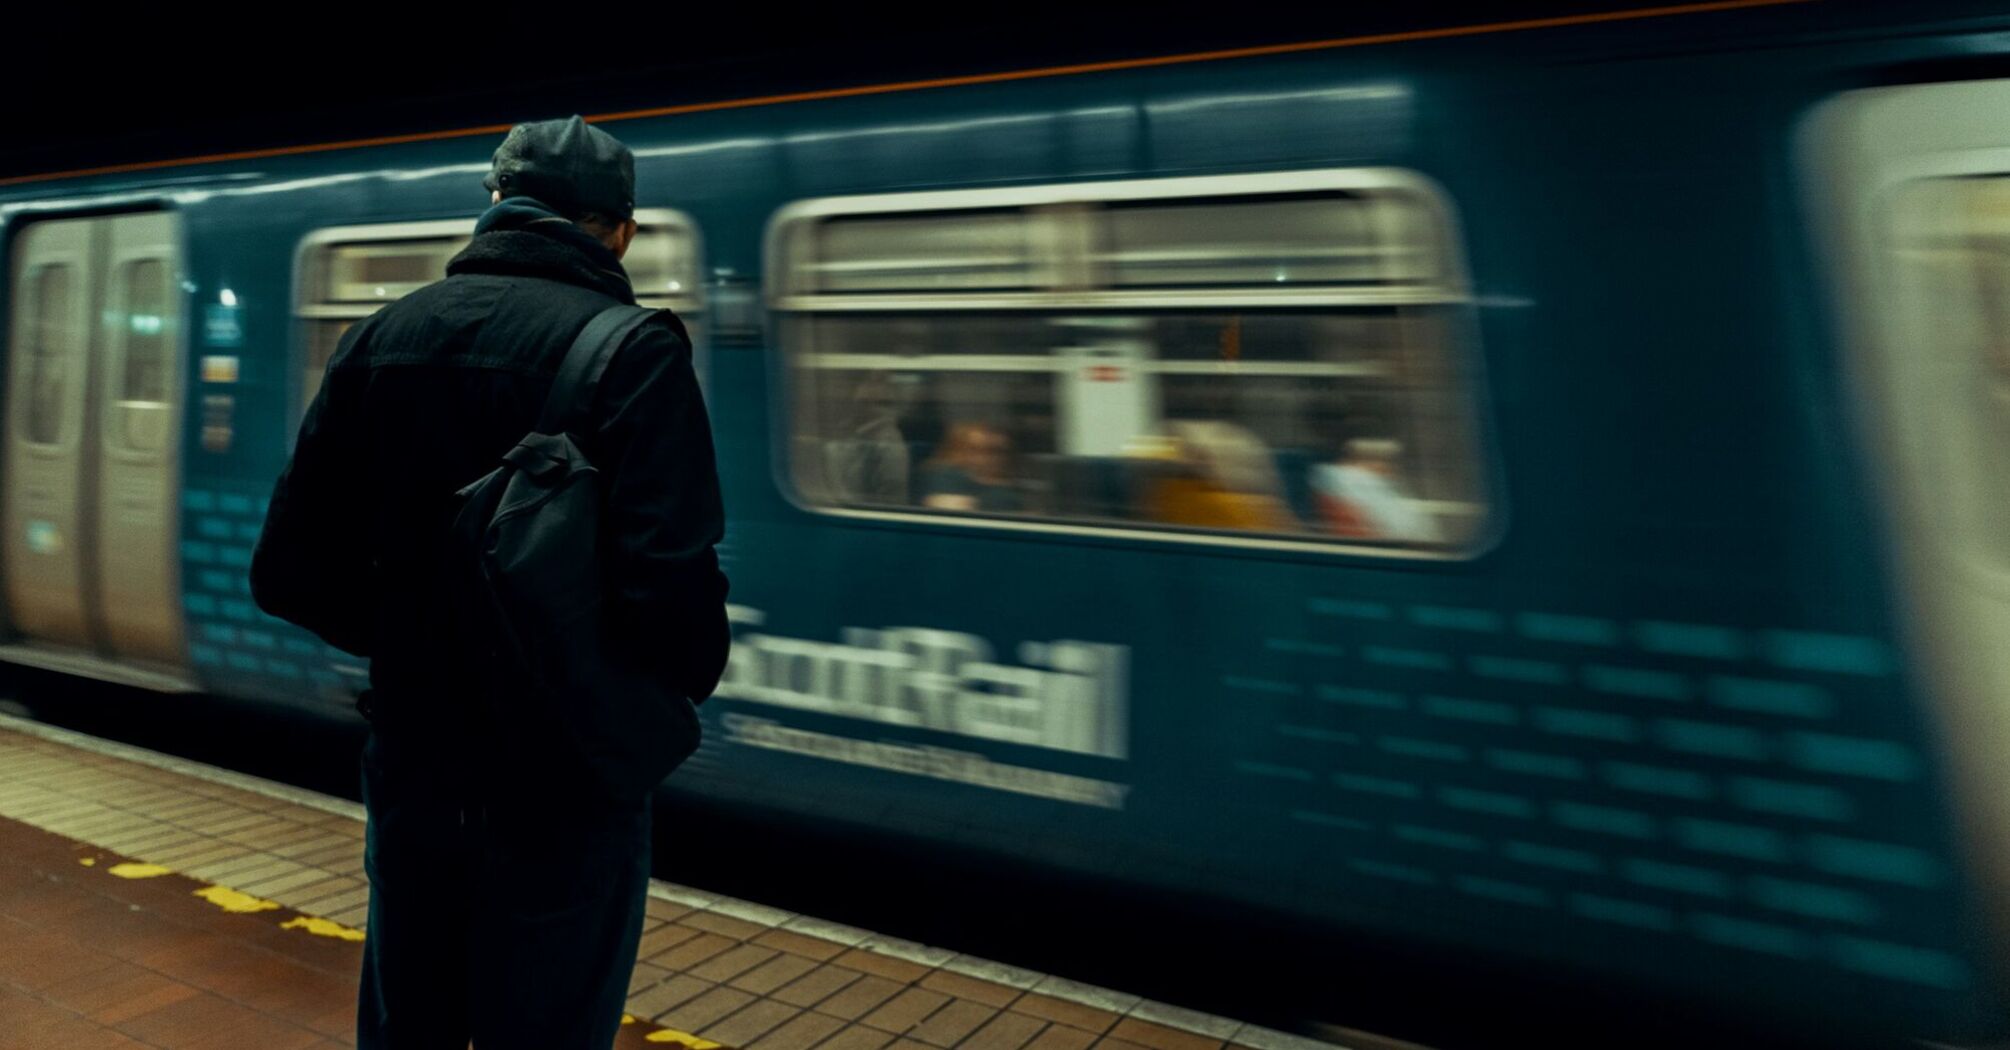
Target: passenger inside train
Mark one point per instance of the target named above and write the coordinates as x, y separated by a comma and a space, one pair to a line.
971, 472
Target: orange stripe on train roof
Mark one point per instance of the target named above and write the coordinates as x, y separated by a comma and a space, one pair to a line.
1553, 22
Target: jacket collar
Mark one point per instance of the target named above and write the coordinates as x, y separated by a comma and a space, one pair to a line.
522, 237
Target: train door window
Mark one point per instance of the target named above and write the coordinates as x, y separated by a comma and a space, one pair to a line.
51, 346
140, 405
1271, 359
348, 273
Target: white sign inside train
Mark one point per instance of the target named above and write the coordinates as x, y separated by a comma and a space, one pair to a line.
1062, 695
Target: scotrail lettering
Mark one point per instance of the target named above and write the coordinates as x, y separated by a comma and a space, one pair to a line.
1065, 695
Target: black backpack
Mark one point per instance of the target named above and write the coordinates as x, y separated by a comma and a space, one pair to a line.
527, 537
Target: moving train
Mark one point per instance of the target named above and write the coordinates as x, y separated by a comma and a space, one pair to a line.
1536, 488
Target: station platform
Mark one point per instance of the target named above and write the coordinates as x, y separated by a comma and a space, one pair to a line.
148, 901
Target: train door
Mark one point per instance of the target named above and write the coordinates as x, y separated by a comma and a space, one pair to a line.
137, 391
91, 452
1913, 185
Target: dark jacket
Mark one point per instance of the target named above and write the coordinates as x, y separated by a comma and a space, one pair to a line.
425, 396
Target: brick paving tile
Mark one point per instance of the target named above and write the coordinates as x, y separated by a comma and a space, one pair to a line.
86, 813
93, 991
341, 901
857, 998
699, 1013
198, 851
298, 813
969, 988
663, 938
884, 965
294, 879
1061, 1037
234, 867
643, 976
1006, 1031
692, 952
38, 902
1107, 1043
773, 974
668, 911
160, 837
733, 962
351, 917
272, 868
344, 850
181, 1023
724, 925
339, 1025
908, 1044
30, 1024
676, 991
816, 985
804, 1031
247, 799
234, 824
856, 1037
275, 984
948, 1026
195, 812
35, 960
799, 944
265, 832
56, 809
267, 1032
904, 1011
750, 1022
327, 886
1159, 1037
285, 833
319, 835
1074, 1015
353, 866
321, 840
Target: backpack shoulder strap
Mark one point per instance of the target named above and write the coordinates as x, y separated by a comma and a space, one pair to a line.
579, 374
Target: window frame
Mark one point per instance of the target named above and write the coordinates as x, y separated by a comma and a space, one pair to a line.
1462, 349
308, 308
69, 434
118, 291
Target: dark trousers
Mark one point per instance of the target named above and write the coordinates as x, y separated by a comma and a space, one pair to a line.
508, 915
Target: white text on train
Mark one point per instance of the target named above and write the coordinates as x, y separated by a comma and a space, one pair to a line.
1064, 695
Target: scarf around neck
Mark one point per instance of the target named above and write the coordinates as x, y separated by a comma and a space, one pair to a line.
525, 237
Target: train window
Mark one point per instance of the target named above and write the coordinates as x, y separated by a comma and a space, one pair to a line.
973, 250
50, 352
662, 262
1249, 357
141, 407
348, 273
1952, 249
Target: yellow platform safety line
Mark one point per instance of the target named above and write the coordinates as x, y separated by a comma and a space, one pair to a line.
239, 902
235, 900
322, 928
230, 900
